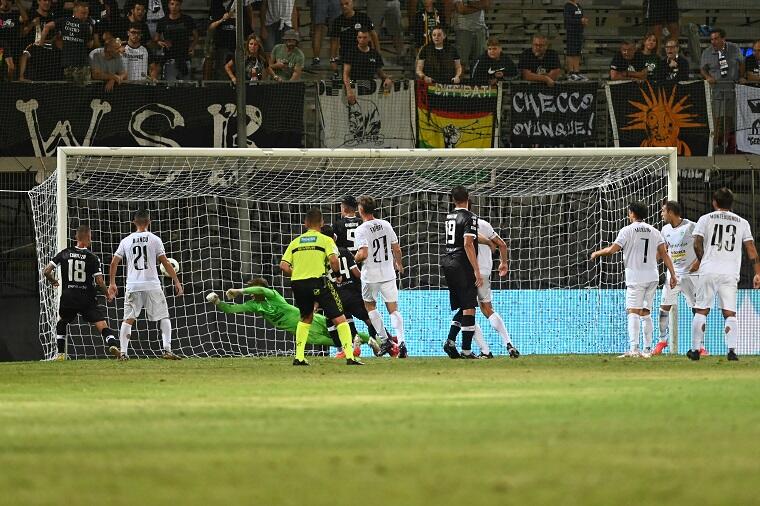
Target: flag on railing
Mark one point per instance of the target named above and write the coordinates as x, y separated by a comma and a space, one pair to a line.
748, 119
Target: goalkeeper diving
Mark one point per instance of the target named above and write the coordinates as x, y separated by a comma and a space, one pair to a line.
272, 306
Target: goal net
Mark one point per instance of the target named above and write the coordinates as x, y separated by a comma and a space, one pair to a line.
227, 215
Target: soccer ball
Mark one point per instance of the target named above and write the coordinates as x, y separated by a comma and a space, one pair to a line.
174, 263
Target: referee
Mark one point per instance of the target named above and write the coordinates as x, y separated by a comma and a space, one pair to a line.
305, 262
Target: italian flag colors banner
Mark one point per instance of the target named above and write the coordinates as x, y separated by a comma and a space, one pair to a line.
456, 116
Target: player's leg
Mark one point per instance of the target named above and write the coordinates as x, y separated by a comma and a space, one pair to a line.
634, 301
705, 290
668, 299
485, 350
109, 337
330, 302
369, 296
304, 297
494, 318
65, 316
727, 295
450, 346
133, 306
389, 291
469, 300
688, 287
158, 310
646, 318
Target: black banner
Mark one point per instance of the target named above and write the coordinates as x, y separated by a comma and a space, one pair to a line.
563, 114
661, 115
37, 117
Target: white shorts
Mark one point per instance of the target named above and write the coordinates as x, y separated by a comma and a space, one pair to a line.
640, 295
387, 289
484, 290
687, 285
153, 301
724, 285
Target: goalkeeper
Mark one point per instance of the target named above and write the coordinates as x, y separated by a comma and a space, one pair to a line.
273, 307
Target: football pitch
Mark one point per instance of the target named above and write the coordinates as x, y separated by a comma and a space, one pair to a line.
536, 430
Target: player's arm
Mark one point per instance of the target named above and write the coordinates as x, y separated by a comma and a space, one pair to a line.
361, 254
100, 280
286, 268
503, 255
355, 272
172, 274
48, 272
663, 253
469, 249
335, 267
754, 259
605, 252
398, 262
112, 290
699, 248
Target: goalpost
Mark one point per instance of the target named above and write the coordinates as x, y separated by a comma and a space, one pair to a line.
228, 214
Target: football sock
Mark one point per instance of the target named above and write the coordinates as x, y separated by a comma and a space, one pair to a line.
302, 334
377, 322
398, 324
468, 329
60, 342
732, 332
456, 326
664, 321
648, 330
60, 338
352, 326
482, 344
166, 333
498, 325
634, 324
697, 330
371, 330
344, 333
124, 332
109, 336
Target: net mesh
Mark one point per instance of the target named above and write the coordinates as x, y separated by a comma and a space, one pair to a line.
227, 218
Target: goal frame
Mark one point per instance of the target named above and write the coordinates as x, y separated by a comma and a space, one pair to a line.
64, 151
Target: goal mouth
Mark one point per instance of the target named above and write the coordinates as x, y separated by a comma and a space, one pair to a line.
226, 215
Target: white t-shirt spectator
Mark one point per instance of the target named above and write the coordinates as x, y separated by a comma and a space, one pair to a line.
136, 61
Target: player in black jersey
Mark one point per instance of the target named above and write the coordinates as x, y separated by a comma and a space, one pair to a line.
460, 267
346, 225
80, 272
350, 292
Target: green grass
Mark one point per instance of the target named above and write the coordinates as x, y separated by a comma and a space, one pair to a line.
537, 430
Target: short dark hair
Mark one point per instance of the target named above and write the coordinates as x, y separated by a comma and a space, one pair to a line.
349, 201
460, 194
142, 216
368, 204
724, 198
83, 229
639, 209
672, 206
314, 216
719, 31
328, 231
257, 282
136, 26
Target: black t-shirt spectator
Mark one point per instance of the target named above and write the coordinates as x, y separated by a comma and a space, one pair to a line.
424, 23
10, 32
121, 27
345, 29
752, 64
44, 63
76, 35
104, 14
529, 61
573, 25
439, 63
667, 73
179, 31
32, 35
364, 66
635, 64
486, 69
224, 35
56, 8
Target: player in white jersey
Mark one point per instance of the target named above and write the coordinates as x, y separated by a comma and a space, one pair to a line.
642, 245
140, 250
718, 240
677, 233
379, 253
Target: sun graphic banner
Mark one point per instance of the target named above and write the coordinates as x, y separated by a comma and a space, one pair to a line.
380, 118
661, 115
748, 119
457, 116
551, 116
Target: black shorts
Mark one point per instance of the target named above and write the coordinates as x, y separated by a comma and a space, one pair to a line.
90, 311
353, 305
320, 290
460, 278
573, 44
660, 12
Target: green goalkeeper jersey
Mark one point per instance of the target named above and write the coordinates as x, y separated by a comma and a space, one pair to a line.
282, 315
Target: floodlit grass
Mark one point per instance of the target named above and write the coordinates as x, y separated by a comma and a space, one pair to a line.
537, 430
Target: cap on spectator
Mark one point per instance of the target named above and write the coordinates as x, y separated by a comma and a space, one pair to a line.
291, 35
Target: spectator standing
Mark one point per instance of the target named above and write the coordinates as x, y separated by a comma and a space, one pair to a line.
135, 14
539, 63
104, 15
323, 12
176, 33
650, 52
78, 37
628, 63
721, 65
255, 61
470, 28
156, 11
107, 64
659, 13
343, 32
389, 11
222, 27
673, 67
38, 18
575, 23
12, 17
752, 64
136, 57
363, 64
41, 62
438, 62
287, 60
425, 21
277, 17
493, 66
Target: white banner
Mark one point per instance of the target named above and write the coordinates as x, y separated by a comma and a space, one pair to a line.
748, 119
380, 118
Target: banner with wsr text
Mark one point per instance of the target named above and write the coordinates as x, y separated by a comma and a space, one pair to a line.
37, 118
